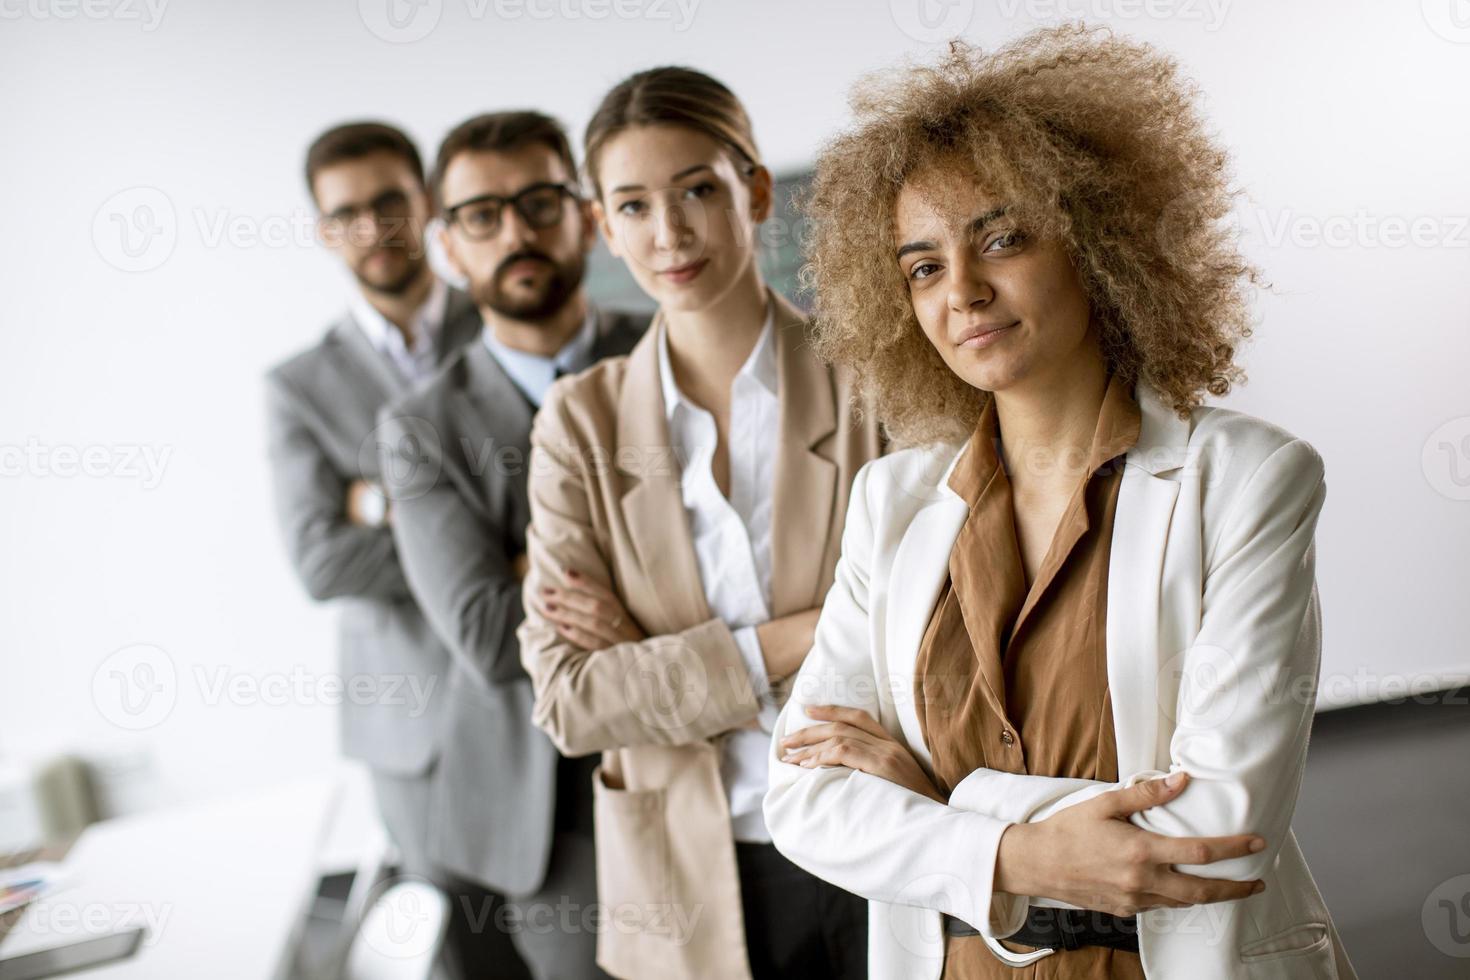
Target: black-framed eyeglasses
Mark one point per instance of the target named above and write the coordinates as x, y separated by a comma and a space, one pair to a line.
387, 208
539, 205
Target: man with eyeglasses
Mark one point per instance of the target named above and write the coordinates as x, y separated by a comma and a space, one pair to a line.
456, 451
402, 323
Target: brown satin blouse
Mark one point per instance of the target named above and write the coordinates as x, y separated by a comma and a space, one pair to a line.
1014, 678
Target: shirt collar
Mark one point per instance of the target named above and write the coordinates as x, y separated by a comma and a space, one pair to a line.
427, 320
1115, 432
533, 373
759, 367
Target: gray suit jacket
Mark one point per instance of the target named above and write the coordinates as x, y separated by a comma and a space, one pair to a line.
322, 406
455, 464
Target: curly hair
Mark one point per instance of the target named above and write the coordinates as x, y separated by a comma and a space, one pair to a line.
1092, 140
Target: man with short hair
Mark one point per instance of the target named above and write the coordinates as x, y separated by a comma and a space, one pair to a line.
367, 181
518, 230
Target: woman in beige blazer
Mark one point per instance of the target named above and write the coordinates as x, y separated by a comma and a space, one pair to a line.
687, 504
1080, 579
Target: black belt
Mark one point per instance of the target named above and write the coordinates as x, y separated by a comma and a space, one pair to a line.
1064, 929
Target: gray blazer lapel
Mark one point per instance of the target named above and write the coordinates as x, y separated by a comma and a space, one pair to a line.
490, 402
462, 324
364, 360
492, 425
493, 416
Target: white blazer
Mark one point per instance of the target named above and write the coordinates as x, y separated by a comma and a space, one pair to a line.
1214, 639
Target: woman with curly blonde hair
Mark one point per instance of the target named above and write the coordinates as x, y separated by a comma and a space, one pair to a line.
1055, 717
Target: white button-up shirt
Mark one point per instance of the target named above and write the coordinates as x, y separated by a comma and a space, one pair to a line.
732, 540
533, 373
416, 362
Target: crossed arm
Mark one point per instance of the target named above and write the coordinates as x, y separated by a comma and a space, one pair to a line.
1241, 717
457, 559
332, 555
674, 689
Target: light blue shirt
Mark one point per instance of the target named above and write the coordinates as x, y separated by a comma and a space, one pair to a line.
532, 373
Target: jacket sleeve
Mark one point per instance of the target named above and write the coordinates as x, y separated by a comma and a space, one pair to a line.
665, 690
332, 556
454, 557
861, 832
1247, 684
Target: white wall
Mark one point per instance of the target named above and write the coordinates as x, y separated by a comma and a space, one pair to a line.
1339, 113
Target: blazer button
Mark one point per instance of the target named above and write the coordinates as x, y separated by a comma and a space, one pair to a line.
1007, 737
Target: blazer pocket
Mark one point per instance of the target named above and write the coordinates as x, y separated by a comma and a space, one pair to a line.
632, 851
1304, 950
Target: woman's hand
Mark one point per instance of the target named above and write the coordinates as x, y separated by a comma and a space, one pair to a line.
853, 738
1090, 856
588, 614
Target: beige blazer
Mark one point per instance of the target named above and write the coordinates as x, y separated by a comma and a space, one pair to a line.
605, 500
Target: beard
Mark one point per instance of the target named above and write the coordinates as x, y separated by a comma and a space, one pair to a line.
394, 284
537, 304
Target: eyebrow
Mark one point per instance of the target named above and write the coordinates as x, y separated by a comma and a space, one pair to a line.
678, 176
976, 226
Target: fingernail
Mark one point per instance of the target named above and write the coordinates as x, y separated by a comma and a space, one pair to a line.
551, 607
1174, 780
1260, 887
1257, 845
548, 591
572, 573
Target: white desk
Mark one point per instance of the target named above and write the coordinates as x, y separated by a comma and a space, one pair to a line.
222, 887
